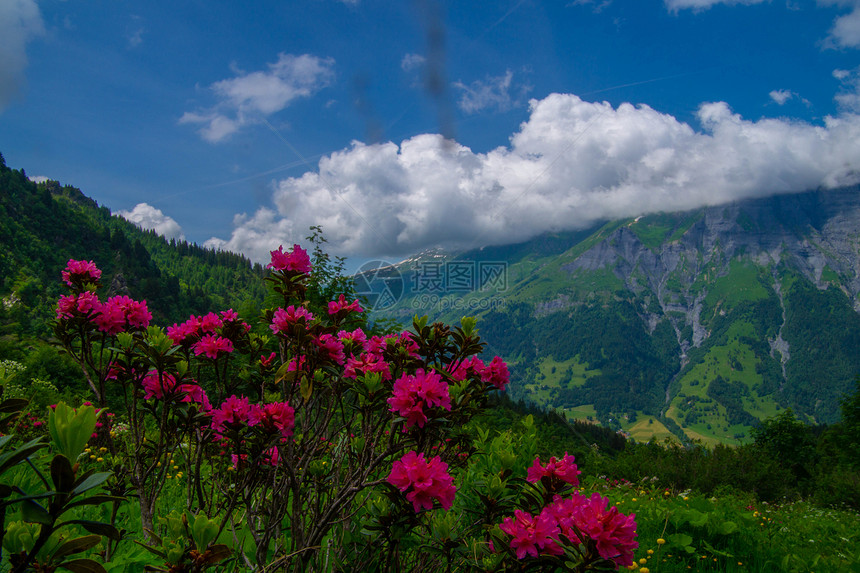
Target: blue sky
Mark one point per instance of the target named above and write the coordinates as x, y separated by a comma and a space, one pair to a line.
400, 126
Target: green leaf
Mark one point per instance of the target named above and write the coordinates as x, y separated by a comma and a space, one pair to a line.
77, 545
62, 474
10, 459
307, 387
34, 513
93, 500
97, 527
90, 482
680, 539
83, 566
727, 527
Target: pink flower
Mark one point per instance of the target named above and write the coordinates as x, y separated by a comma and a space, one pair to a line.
425, 481
340, 305
296, 261
412, 393
297, 363
365, 363
613, 533
331, 347
229, 315
276, 417
211, 323
283, 320
496, 373
267, 362
212, 345
532, 533
182, 333
357, 337
82, 304
120, 313
564, 470
234, 414
469, 366
196, 394
156, 386
81, 272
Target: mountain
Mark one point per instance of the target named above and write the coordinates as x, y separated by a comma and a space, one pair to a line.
698, 323
44, 225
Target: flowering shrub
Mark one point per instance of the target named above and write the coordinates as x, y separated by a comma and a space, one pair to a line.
313, 439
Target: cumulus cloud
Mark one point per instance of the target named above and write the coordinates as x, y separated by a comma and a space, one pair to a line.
491, 93
571, 164
20, 22
39, 179
146, 216
250, 97
845, 32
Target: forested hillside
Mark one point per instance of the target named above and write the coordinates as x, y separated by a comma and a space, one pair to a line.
44, 225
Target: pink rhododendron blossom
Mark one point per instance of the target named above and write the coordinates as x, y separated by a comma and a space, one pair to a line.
366, 363
531, 534
297, 260
211, 323
283, 320
155, 386
412, 393
423, 481
614, 533
267, 362
465, 368
229, 315
275, 417
81, 304
183, 333
121, 312
331, 347
297, 363
234, 414
356, 337
564, 469
80, 271
496, 373
340, 305
195, 394
212, 346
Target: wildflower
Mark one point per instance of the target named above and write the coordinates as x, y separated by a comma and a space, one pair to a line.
212, 345
425, 481
331, 347
211, 323
496, 373
340, 305
412, 393
283, 320
532, 533
80, 272
661, 541
366, 363
297, 261
564, 470
275, 417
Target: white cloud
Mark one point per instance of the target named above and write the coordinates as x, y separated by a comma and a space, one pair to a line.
675, 5
412, 62
250, 97
39, 179
845, 32
148, 217
571, 164
849, 97
781, 96
494, 92
20, 22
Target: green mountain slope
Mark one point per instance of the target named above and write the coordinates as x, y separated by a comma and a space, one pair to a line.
701, 322
44, 225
